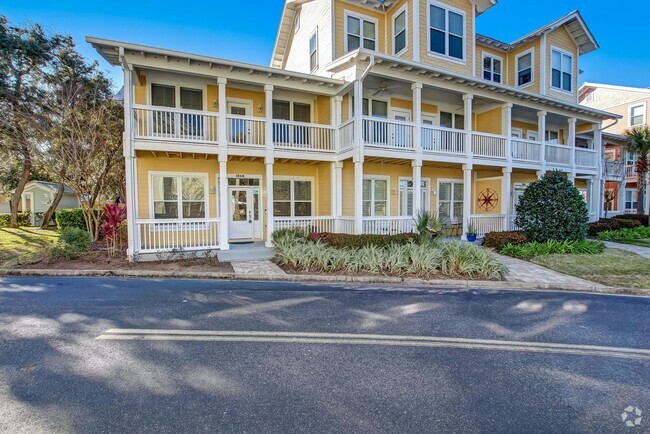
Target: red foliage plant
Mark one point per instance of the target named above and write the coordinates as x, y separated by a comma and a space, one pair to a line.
113, 217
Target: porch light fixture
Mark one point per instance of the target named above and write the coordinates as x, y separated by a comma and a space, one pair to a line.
260, 109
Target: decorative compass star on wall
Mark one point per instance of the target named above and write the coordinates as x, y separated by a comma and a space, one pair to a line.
488, 199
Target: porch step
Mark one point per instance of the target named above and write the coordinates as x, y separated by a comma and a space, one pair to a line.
246, 252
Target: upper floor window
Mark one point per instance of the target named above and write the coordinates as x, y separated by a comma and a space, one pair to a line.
360, 32
637, 115
399, 32
313, 51
163, 96
492, 68
446, 31
561, 70
525, 68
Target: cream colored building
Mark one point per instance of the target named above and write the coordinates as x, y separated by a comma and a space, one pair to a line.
369, 110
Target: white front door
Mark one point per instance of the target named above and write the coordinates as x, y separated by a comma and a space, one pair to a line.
241, 226
402, 133
238, 129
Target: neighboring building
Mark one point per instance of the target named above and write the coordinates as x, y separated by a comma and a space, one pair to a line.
38, 196
370, 110
631, 104
5, 203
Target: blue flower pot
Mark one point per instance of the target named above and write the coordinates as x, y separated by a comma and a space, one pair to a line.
471, 238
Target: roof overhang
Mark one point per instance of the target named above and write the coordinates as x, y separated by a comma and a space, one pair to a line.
421, 72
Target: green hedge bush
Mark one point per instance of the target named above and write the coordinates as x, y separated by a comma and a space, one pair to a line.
613, 224
72, 242
23, 219
643, 218
358, 241
530, 250
552, 209
498, 240
638, 233
70, 218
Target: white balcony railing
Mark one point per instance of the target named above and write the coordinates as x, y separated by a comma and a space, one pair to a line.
346, 135
586, 158
245, 130
558, 154
165, 123
177, 235
488, 145
443, 140
488, 223
387, 225
388, 133
614, 169
630, 171
304, 136
317, 224
526, 150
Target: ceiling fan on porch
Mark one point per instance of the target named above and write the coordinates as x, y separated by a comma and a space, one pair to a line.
384, 87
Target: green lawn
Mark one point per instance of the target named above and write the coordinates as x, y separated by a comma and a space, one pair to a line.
23, 245
613, 267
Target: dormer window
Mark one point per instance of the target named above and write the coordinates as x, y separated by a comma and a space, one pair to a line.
492, 68
525, 68
446, 31
561, 70
360, 32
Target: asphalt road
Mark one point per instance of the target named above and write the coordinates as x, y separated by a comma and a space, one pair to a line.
126, 355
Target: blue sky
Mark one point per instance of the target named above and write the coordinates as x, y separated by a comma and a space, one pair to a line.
245, 31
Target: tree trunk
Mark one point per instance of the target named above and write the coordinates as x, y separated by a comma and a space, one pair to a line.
50, 212
18, 194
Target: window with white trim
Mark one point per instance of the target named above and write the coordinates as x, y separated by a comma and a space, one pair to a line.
631, 199
360, 33
400, 32
375, 197
179, 196
406, 198
292, 198
525, 69
561, 71
552, 137
446, 31
630, 158
637, 115
313, 51
450, 200
492, 68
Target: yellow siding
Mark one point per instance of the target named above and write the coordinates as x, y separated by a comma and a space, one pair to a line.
213, 95
523, 177
324, 188
256, 97
560, 38
481, 185
512, 65
345, 109
525, 127
141, 90
466, 68
348, 188
429, 108
401, 103
339, 25
489, 122
322, 109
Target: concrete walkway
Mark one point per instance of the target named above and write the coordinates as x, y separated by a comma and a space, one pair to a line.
639, 250
527, 272
259, 268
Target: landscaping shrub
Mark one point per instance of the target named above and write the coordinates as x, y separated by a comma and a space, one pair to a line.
613, 224
23, 219
643, 218
498, 240
530, 250
552, 209
72, 242
638, 233
358, 241
70, 218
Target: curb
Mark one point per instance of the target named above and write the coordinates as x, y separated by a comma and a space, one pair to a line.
439, 283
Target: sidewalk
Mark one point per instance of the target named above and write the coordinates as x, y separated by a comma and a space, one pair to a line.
639, 250
527, 272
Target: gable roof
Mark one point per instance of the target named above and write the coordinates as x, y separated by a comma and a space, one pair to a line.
586, 86
574, 24
50, 186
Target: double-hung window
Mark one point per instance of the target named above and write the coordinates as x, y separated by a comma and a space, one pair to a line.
450, 201
375, 197
525, 68
360, 32
637, 115
631, 199
492, 68
446, 31
179, 196
292, 198
313, 51
561, 70
400, 32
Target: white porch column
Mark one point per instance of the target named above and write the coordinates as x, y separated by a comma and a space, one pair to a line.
506, 194
358, 115
268, 107
417, 187
417, 116
467, 198
338, 209
224, 201
223, 111
358, 196
334, 193
268, 162
336, 107
541, 132
621, 196
469, 124
571, 142
129, 166
506, 129
593, 198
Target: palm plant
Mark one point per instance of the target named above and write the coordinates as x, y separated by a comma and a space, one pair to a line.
638, 143
427, 225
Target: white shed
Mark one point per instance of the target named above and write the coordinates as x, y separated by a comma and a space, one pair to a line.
39, 195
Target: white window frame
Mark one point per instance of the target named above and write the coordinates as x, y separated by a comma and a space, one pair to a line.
447, 9
374, 178
313, 68
562, 53
362, 35
180, 176
530, 51
453, 219
547, 139
633, 201
403, 10
426, 189
292, 195
493, 57
589, 97
645, 111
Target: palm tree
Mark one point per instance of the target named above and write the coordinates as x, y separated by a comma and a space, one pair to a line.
638, 143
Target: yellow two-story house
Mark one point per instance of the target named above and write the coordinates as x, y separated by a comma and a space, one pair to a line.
369, 111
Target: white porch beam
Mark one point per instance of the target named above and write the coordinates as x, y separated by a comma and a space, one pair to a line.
224, 212
417, 186
506, 194
269, 201
467, 198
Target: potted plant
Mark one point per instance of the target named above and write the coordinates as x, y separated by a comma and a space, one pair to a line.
471, 232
